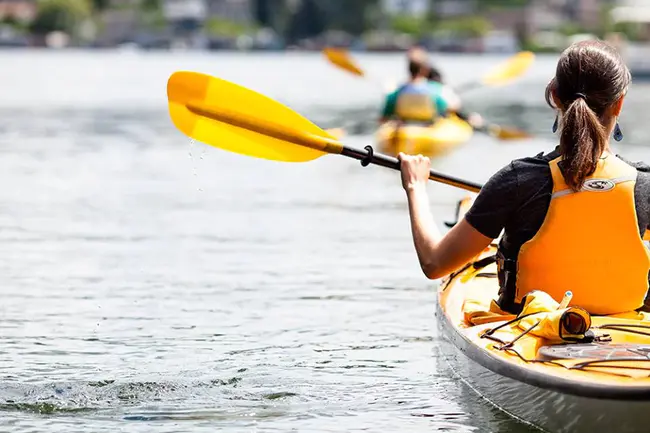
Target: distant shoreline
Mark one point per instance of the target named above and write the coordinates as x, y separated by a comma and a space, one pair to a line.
136, 48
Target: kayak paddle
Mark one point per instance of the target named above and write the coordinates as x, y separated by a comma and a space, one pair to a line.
234, 118
342, 59
501, 74
497, 131
503, 132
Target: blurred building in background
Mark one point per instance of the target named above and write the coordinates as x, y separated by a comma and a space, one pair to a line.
12, 13
632, 20
233, 10
19, 10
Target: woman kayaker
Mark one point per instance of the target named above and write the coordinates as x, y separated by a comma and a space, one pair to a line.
572, 219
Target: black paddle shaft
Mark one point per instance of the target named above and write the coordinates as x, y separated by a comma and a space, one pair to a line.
368, 156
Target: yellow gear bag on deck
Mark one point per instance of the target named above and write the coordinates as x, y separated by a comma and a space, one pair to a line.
544, 317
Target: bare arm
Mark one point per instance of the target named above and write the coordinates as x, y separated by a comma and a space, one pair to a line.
438, 254
452, 99
388, 110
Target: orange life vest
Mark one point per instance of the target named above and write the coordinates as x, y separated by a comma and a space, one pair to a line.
589, 243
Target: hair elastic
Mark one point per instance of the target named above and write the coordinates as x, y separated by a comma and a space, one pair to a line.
581, 95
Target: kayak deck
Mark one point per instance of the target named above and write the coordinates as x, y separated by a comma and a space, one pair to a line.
616, 365
432, 140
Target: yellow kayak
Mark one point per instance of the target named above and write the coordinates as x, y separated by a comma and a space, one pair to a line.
431, 140
598, 384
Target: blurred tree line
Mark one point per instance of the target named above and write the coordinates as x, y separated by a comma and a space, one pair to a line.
309, 18
294, 20
68, 15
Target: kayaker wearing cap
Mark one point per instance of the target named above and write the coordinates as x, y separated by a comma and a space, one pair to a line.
572, 219
418, 100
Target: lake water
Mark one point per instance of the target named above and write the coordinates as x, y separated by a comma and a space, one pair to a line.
151, 284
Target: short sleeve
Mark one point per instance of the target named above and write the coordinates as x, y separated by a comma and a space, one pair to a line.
452, 101
441, 104
438, 97
641, 193
495, 203
389, 105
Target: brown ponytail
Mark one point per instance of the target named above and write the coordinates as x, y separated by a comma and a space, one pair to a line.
590, 78
582, 140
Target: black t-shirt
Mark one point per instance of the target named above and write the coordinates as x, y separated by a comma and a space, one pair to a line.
517, 197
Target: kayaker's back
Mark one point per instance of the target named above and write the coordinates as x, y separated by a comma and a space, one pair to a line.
417, 101
555, 239
589, 243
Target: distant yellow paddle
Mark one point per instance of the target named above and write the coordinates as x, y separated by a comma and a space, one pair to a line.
237, 119
501, 132
504, 73
341, 58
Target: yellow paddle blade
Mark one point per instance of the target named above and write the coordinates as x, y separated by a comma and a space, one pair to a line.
342, 59
513, 68
237, 119
507, 133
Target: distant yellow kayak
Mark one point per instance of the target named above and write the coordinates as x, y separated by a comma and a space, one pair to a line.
431, 140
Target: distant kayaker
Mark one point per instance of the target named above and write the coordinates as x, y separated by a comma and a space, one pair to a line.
417, 100
572, 219
452, 99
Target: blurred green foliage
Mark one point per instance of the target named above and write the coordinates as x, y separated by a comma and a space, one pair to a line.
295, 21
501, 4
216, 26
470, 26
60, 15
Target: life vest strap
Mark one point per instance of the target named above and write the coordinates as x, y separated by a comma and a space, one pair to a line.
598, 185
